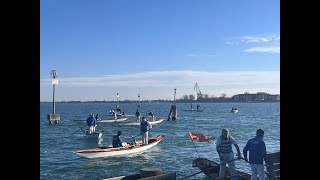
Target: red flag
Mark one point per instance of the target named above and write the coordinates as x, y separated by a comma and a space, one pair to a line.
199, 137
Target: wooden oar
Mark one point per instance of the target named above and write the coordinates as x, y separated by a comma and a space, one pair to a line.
191, 175
78, 130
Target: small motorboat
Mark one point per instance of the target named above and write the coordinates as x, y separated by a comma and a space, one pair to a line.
234, 110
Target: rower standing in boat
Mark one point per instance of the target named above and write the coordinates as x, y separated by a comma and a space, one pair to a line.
116, 140
97, 118
91, 122
138, 115
145, 126
224, 149
151, 114
198, 106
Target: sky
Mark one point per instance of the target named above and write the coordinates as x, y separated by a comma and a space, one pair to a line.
150, 47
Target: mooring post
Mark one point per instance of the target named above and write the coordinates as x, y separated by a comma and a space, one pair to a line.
53, 117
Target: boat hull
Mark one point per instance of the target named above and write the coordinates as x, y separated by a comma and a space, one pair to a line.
113, 120
128, 149
151, 122
95, 135
211, 169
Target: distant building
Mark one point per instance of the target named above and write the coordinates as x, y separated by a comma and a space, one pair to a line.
259, 97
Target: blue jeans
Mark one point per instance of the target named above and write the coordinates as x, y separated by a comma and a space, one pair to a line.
231, 165
257, 169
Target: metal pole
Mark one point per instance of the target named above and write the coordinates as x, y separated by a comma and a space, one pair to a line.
118, 100
174, 99
53, 103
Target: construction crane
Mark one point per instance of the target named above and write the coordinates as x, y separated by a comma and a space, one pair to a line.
197, 89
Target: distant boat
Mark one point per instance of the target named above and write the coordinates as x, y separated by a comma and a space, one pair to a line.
151, 122
195, 110
104, 120
113, 120
234, 110
130, 148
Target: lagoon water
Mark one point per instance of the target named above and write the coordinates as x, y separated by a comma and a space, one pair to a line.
174, 154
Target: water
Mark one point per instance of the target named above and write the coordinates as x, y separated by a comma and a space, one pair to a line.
174, 154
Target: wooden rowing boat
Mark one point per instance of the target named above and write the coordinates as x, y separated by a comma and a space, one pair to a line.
151, 122
130, 148
103, 120
113, 120
211, 169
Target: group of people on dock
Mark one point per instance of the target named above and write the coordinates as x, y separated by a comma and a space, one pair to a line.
257, 153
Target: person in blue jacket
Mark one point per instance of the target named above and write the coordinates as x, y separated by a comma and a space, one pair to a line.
116, 140
257, 153
150, 113
91, 122
138, 115
145, 126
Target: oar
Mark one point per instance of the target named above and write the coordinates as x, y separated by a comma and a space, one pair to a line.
78, 130
191, 175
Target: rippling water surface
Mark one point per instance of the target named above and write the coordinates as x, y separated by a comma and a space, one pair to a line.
174, 154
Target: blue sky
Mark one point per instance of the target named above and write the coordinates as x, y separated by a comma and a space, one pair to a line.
103, 47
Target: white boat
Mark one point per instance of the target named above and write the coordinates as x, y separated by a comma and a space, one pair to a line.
104, 120
113, 120
137, 123
130, 148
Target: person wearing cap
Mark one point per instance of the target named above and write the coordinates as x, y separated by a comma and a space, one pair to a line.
145, 126
257, 153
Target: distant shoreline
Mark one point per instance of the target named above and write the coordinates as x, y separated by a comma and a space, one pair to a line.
162, 101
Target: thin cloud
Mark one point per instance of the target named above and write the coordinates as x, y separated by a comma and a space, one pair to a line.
192, 55
257, 39
178, 78
263, 44
160, 84
270, 49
